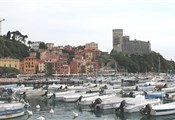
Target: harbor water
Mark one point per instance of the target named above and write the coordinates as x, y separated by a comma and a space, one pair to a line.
64, 111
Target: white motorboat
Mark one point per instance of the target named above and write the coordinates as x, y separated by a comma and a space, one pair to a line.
11, 110
60, 95
76, 96
89, 100
163, 109
110, 103
160, 109
138, 103
110, 91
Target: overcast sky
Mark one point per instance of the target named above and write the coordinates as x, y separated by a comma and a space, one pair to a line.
77, 22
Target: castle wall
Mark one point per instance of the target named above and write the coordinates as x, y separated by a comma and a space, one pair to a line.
123, 44
136, 47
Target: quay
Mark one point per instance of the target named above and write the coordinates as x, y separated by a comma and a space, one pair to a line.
6, 81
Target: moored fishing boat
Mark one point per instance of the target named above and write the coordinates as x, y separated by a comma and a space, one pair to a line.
110, 103
151, 95
138, 103
59, 95
11, 110
158, 110
75, 97
89, 100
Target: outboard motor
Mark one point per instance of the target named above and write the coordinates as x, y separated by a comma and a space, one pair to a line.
65, 88
97, 101
131, 94
136, 88
121, 107
53, 96
146, 110
79, 99
45, 94
101, 91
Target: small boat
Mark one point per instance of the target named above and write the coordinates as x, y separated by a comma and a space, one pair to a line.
151, 95
89, 100
60, 95
110, 91
138, 103
169, 89
11, 110
76, 96
105, 104
161, 109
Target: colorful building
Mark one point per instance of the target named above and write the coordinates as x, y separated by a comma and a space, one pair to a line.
10, 62
91, 45
61, 67
30, 65
41, 67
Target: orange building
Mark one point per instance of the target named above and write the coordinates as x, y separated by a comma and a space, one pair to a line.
30, 65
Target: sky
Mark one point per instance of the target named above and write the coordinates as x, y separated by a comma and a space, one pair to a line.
77, 22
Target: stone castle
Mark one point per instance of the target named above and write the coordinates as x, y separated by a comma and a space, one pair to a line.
124, 45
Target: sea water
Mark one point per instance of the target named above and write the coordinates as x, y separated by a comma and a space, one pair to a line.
64, 111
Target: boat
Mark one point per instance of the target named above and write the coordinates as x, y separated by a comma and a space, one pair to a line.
59, 95
138, 103
76, 96
161, 109
89, 100
105, 104
157, 94
11, 110
110, 91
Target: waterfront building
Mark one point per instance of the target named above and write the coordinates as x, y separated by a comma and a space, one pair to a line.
61, 67
30, 65
10, 62
124, 45
74, 67
41, 66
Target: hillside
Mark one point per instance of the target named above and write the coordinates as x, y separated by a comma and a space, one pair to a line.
13, 48
153, 62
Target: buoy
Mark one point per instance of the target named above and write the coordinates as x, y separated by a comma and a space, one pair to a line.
75, 114
51, 111
38, 106
41, 118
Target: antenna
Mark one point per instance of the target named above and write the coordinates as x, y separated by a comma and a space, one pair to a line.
1, 20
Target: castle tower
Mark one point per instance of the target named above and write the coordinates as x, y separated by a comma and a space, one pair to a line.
117, 39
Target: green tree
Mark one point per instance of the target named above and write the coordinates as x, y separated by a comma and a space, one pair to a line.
42, 45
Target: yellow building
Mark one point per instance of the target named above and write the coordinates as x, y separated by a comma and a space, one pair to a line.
10, 62
89, 55
41, 67
30, 65
91, 45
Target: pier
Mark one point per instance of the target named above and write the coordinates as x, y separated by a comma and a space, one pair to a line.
6, 81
